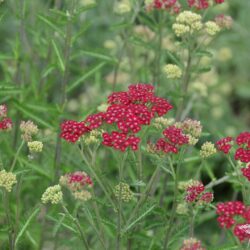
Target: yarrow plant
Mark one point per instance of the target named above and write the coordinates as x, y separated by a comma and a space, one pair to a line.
79, 170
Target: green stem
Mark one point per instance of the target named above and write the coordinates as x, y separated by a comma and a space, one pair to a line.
186, 80
76, 222
6, 204
91, 169
173, 212
119, 219
244, 191
16, 156
144, 196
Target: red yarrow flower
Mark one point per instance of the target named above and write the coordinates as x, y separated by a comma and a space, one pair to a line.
120, 141
72, 130
229, 213
174, 138
6, 124
3, 110
246, 172
243, 152
224, 144
80, 177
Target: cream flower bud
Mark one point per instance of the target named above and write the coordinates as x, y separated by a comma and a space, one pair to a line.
7, 180
172, 71
35, 146
123, 189
207, 149
212, 28
180, 29
122, 7
52, 195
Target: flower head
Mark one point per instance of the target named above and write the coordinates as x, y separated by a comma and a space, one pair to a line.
6, 124
123, 189
35, 146
172, 71
211, 28
207, 149
191, 244
3, 110
28, 129
72, 130
243, 152
78, 183
52, 195
122, 7
224, 21
7, 180
224, 144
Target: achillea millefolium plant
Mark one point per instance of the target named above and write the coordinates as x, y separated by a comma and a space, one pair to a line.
112, 127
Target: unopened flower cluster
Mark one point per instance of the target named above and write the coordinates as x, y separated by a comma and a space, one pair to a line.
122, 190
207, 149
35, 146
28, 129
172, 71
7, 180
236, 215
5, 122
127, 113
192, 128
52, 195
78, 183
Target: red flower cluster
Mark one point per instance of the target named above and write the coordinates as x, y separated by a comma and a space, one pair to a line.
169, 5
174, 138
5, 123
195, 193
228, 211
246, 172
120, 141
202, 4
224, 144
80, 177
128, 111
72, 130
243, 152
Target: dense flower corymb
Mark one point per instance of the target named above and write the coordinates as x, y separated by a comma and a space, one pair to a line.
243, 152
5, 122
207, 149
174, 138
7, 180
192, 244
235, 213
77, 183
123, 189
224, 144
52, 195
172, 71
28, 129
71, 130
